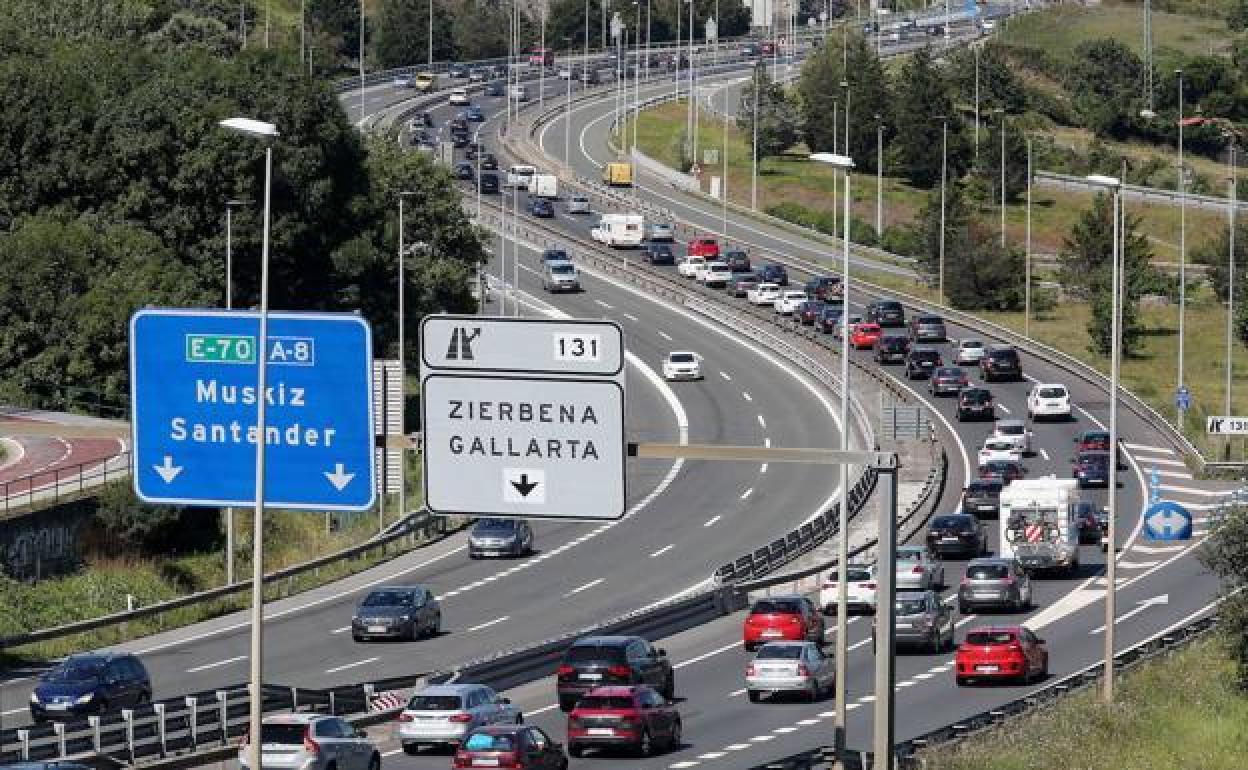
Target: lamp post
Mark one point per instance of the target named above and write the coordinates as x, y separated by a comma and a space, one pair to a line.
975, 48
567, 113
1148, 51
879, 178
1230, 287
944, 171
265, 132
1027, 256
1114, 185
1182, 182
403, 194
754, 159
429, 57
846, 165
229, 305
1001, 112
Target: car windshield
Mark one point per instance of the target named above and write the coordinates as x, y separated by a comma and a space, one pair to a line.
1052, 393
1007, 429
580, 653
488, 742
950, 522
434, 703
282, 735
555, 255
999, 446
857, 575
605, 702
966, 344
910, 606
983, 489
925, 355
976, 397
780, 652
387, 598
909, 554
891, 306
497, 524
765, 606
990, 637
562, 269
987, 572
955, 373
681, 358
76, 670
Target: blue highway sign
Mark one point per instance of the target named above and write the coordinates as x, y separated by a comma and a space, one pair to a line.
1183, 398
193, 395
1167, 521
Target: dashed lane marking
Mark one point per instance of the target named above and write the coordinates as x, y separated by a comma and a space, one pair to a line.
762, 468
664, 335
489, 623
726, 376
1147, 448
662, 550
600, 303
631, 317
1192, 491
762, 423
585, 587
747, 493
346, 666
1157, 548
711, 521
746, 395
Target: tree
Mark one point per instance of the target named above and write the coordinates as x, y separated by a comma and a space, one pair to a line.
481, 29
402, 36
1214, 253
565, 23
999, 85
1225, 553
979, 273
777, 117
989, 167
1105, 80
340, 20
820, 86
921, 95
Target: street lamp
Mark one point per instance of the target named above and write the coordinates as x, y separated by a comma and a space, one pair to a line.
1182, 183
266, 133
1027, 257
975, 48
1115, 185
879, 177
402, 254
846, 165
944, 171
754, 159
1230, 289
229, 304
1001, 111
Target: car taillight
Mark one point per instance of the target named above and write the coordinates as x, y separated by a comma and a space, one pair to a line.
405, 717
916, 570
246, 737
965, 581
310, 746
1015, 648
565, 670
793, 618
460, 718
802, 670
620, 670
750, 670
869, 586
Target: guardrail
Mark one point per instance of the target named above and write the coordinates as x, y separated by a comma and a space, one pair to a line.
1140, 192
422, 522
67, 479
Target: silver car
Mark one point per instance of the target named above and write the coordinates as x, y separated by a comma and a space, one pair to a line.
500, 537
918, 569
443, 714
312, 742
578, 204
660, 231
995, 583
968, 352
1016, 431
921, 620
797, 667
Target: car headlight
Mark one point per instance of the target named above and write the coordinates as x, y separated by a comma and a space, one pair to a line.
34, 697
84, 699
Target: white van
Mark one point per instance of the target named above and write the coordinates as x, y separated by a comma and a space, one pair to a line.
544, 186
620, 230
519, 176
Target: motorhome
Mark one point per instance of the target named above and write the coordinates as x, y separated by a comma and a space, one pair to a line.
620, 230
1039, 526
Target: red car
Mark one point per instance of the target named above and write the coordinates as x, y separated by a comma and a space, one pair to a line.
864, 335
512, 746
1001, 652
636, 718
782, 618
704, 247
1005, 470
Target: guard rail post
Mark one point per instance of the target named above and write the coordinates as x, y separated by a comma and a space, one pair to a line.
159, 708
94, 722
127, 716
59, 729
23, 738
223, 716
333, 706
192, 716
294, 698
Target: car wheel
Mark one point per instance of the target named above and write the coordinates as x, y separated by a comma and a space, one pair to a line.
812, 694
936, 642
961, 681
674, 740
567, 704
669, 687
356, 638
374, 762
644, 746
437, 625
1044, 670
411, 748
964, 609
755, 696
575, 750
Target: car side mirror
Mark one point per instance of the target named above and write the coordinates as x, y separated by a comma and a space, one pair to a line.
662, 652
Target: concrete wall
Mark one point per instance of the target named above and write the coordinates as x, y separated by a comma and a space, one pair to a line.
46, 542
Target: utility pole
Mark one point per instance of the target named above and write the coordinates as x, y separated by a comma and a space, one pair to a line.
1027, 265
944, 167
1230, 289
1182, 183
879, 179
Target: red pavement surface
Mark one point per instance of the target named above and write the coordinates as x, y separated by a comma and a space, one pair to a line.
47, 461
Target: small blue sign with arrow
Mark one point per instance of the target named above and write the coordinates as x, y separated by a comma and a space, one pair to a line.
1167, 520
1183, 398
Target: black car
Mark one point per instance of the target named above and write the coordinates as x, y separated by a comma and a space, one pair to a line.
1005, 470
457, 124
1001, 362
1091, 469
659, 254
541, 208
957, 534
464, 171
892, 350
460, 139
829, 317
921, 362
597, 661
824, 287
886, 312
555, 255
774, 274
494, 89
737, 261
976, 404
90, 684
740, 284
500, 537
489, 162
487, 183
1088, 520
809, 311
397, 612
982, 498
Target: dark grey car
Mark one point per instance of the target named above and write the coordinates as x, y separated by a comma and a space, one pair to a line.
397, 612
922, 620
994, 583
983, 498
500, 537
927, 328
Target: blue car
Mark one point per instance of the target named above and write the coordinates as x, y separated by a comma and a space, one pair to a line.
774, 274
474, 114
90, 684
541, 208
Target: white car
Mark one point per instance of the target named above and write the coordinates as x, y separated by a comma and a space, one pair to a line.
918, 569
999, 449
689, 266
1016, 431
565, 74
860, 593
459, 97
763, 294
443, 714
789, 667
715, 275
578, 204
968, 352
788, 302
1050, 400
682, 365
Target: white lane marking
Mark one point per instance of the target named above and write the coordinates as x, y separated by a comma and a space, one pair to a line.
662, 550
761, 421
711, 755
1044, 454
218, 664
867, 699
600, 303
747, 396
784, 730
711, 521
1163, 461
585, 587
342, 630
705, 655
489, 623
1148, 448
762, 738
767, 442
924, 675
664, 335
762, 468
1003, 408
1171, 474
391, 752
725, 376
346, 666
1124, 564
542, 710
1192, 490
857, 644
733, 694
852, 706
682, 765
1157, 548
737, 746
747, 493
630, 317
807, 722
12, 711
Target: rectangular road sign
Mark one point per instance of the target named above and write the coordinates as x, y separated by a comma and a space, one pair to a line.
193, 394
521, 345
1226, 426
533, 448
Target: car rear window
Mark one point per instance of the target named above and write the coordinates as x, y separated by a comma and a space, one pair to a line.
434, 703
681, 358
780, 652
579, 653
982, 489
858, 575
990, 637
909, 606
1052, 392
976, 396
488, 742
950, 522
987, 572
765, 606
282, 735
1010, 430
605, 702
1003, 355
925, 355
889, 306
387, 599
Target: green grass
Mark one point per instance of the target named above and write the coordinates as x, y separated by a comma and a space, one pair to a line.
1179, 711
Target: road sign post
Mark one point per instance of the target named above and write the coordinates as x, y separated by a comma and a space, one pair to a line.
194, 396
523, 417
